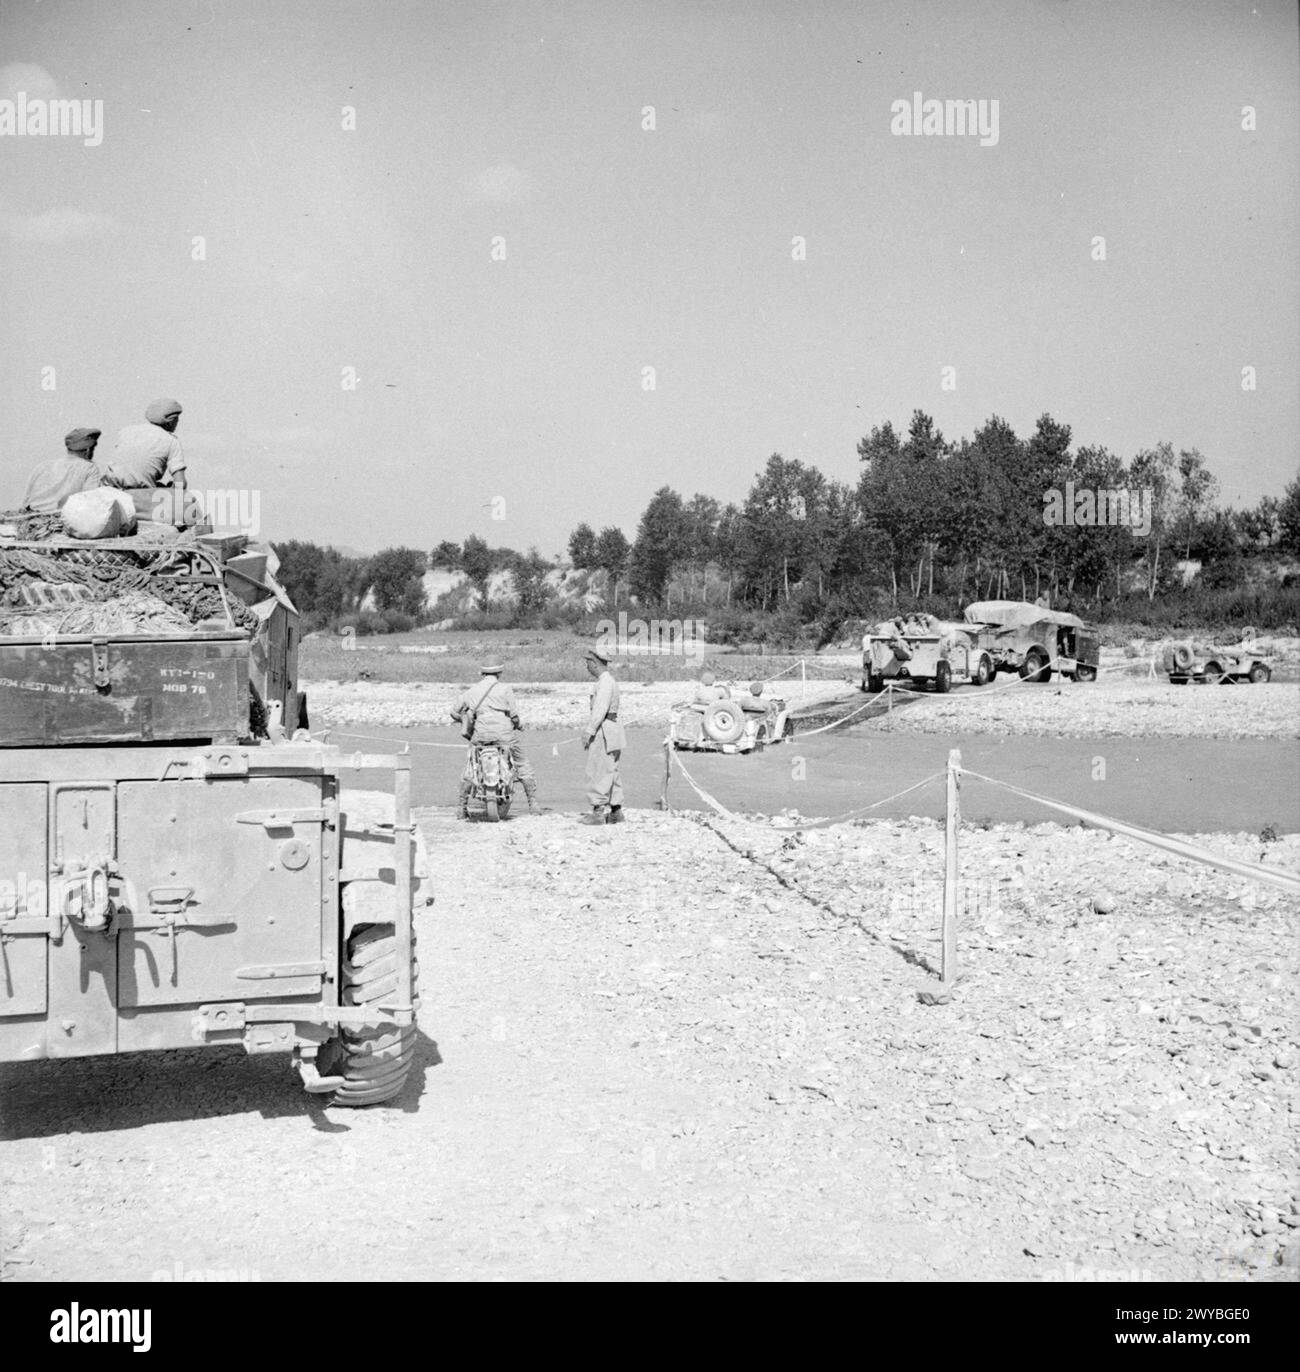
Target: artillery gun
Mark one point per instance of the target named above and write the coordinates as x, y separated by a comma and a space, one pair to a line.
181, 862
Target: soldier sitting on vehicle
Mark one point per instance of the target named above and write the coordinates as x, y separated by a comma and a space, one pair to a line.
488, 714
753, 703
709, 690
55, 479
149, 454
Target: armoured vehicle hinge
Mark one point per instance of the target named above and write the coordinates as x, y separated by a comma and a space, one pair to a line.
270, 970
282, 819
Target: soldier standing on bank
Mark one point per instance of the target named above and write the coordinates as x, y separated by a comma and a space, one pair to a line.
603, 741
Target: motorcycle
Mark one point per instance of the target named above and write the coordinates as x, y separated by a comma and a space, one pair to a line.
491, 775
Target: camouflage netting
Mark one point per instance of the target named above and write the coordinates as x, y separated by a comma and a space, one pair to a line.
98, 589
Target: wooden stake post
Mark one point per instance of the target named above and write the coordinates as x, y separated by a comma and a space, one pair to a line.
950, 874
668, 771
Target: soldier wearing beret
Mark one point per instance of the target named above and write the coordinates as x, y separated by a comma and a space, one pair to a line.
604, 741
59, 477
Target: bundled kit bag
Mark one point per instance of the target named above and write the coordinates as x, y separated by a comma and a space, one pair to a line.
99, 513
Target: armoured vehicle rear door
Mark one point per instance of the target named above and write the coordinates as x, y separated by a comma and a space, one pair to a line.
219, 873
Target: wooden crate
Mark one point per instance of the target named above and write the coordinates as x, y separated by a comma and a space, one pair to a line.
125, 689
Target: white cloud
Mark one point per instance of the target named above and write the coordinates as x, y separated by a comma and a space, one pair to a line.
502, 185
57, 226
27, 76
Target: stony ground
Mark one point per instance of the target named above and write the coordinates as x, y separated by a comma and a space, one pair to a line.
663, 1051
543, 705
1122, 708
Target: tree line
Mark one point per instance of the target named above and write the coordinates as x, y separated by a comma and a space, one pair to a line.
929, 522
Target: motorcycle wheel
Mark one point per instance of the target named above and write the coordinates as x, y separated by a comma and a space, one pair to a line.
492, 814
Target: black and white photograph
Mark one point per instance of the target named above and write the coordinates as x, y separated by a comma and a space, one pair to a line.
847, 453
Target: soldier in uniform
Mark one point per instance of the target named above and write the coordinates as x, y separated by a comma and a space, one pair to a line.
59, 477
603, 742
487, 713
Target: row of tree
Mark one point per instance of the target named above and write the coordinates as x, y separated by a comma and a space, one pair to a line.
965, 517
928, 515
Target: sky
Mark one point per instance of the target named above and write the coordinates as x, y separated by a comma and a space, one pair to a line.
500, 247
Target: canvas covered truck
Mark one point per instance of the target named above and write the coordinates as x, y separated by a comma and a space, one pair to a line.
1034, 641
181, 863
923, 650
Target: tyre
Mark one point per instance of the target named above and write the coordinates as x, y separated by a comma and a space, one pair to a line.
1260, 673
1215, 675
943, 678
1083, 673
1035, 666
493, 812
787, 729
1181, 656
983, 670
1178, 680
760, 740
373, 1061
875, 682
723, 722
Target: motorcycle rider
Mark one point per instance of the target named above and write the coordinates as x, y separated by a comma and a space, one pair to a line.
487, 713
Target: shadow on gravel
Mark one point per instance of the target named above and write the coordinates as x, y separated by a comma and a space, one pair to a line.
130, 1090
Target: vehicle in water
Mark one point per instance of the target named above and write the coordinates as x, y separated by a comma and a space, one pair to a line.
1033, 640
924, 650
181, 862
490, 771
746, 723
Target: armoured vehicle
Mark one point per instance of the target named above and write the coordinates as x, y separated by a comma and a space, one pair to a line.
921, 648
181, 862
1034, 641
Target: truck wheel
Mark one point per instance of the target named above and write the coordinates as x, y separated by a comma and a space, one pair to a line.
1083, 673
943, 678
1260, 673
1215, 675
373, 1062
984, 670
1035, 667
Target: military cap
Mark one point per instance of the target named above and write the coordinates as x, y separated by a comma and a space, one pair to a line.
81, 440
